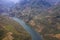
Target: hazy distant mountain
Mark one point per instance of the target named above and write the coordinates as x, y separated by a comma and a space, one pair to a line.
53, 1
34, 3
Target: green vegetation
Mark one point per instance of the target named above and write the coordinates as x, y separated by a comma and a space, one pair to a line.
11, 30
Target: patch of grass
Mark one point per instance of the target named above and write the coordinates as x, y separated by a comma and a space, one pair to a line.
11, 29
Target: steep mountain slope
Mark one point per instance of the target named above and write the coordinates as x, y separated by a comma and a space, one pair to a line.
47, 23
26, 10
11, 30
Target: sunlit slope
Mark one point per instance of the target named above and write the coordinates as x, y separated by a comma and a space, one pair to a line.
47, 23
10, 27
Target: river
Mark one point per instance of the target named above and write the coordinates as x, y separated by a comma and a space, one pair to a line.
31, 31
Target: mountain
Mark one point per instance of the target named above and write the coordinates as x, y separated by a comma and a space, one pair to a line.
11, 30
47, 23
5, 6
29, 8
42, 15
34, 3
53, 2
